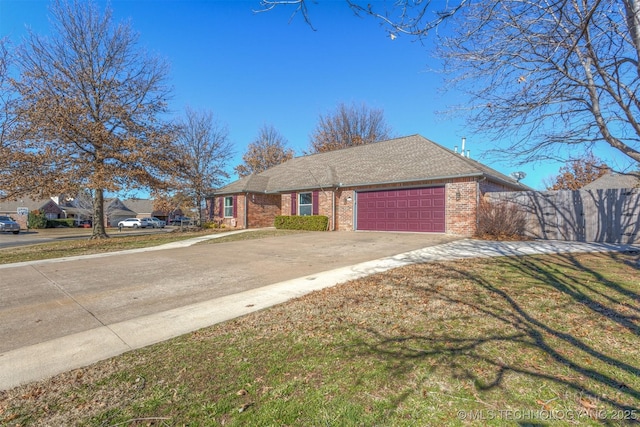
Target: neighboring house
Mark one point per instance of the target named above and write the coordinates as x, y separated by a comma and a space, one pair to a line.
58, 207
144, 208
613, 180
47, 206
73, 208
115, 211
403, 184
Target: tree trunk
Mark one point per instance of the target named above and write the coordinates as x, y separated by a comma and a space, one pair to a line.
99, 231
200, 218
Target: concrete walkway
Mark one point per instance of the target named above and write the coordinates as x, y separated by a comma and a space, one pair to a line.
45, 359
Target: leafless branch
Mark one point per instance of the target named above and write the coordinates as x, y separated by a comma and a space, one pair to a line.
300, 7
347, 126
548, 76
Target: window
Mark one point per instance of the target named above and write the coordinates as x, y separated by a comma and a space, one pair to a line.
305, 203
228, 207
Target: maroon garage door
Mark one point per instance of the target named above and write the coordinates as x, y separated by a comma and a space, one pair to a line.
417, 209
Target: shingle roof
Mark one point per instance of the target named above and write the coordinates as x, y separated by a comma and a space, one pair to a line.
139, 206
407, 159
13, 205
613, 180
129, 207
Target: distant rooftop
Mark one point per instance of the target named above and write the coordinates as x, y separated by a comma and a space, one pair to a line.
613, 180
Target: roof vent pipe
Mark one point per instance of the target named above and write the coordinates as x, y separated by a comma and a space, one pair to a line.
455, 149
464, 140
468, 154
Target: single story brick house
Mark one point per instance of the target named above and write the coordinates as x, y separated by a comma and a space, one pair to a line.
47, 206
405, 184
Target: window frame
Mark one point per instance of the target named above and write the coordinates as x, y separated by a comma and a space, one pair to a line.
305, 206
228, 207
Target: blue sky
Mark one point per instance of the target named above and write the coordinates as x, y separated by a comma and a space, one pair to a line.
252, 69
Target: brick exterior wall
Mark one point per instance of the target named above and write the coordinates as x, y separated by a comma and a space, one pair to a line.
325, 206
22, 220
218, 214
461, 208
462, 195
285, 202
262, 209
345, 201
460, 214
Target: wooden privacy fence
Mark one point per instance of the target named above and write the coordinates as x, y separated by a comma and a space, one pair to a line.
610, 216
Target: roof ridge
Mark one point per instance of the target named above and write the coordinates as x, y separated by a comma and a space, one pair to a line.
479, 165
342, 149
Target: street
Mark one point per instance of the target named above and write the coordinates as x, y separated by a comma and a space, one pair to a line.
33, 237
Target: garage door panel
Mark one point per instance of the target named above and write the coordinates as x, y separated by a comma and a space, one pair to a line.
417, 209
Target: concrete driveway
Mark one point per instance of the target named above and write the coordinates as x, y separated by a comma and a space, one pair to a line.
58, 315
42, 301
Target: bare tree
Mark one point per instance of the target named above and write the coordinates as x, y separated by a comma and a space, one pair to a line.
82, 201
205, 150
546, 76
552, 77
267, 150
89, 110
348, 126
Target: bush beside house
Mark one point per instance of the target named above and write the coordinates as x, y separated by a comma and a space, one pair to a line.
308, 222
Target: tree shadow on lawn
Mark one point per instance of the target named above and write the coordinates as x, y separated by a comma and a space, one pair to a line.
554, 319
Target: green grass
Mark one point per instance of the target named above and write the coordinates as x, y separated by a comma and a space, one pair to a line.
532, 340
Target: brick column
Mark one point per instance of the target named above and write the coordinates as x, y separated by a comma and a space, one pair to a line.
462, 208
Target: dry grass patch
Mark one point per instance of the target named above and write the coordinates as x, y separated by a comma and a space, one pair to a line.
483, 342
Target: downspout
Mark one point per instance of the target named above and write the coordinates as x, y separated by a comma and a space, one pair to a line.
333, 209
246, 211
478, 196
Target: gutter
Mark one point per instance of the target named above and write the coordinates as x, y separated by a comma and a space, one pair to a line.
369, 184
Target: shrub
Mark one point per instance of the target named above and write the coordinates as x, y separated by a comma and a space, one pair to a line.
307, 222
55, 223
501, 220
37, 219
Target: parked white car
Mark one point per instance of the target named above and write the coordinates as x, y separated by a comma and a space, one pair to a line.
133, 223
155, 222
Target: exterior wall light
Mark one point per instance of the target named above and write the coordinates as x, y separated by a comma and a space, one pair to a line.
458, 195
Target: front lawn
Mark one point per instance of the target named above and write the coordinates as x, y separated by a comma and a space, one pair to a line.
531, 340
